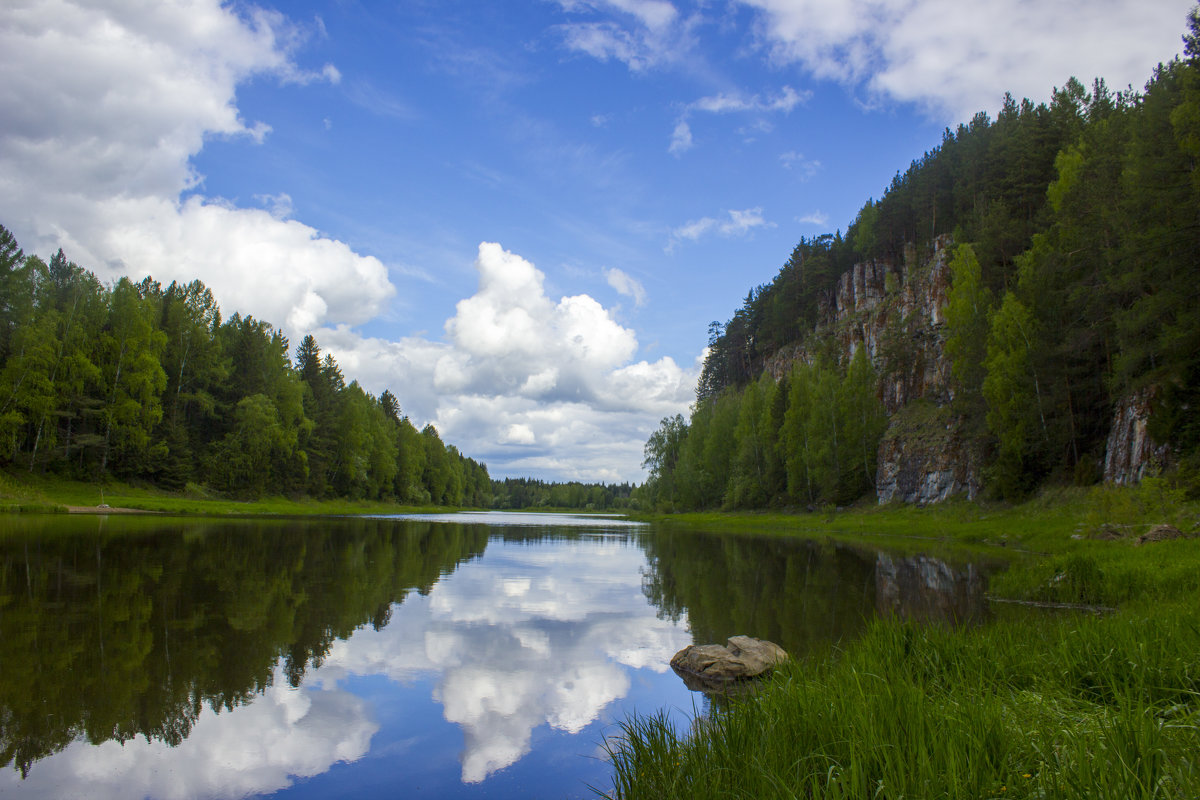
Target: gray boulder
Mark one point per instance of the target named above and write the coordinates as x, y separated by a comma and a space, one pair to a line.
715, 668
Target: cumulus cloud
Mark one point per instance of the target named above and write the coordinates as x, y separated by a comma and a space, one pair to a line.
626, 286
106, 104
510, 331
105, 107
818, 218
738, 223
528, 384
957, 57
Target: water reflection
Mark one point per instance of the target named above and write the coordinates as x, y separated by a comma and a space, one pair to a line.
927, 589
183, 658
800, 594
114, 630
538, 633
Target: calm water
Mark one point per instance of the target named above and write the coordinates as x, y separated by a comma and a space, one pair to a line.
474, 655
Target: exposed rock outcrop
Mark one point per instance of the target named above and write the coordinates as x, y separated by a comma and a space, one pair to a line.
714, 667
896, 312
924, 457
1163, 533
1130, 454
899, 322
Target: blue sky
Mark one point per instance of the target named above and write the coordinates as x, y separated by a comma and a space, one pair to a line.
518, 216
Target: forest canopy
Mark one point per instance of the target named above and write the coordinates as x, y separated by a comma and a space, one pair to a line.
1077, 225
150, 383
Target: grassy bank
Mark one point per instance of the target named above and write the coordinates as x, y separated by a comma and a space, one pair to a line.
27, 492
1051, 705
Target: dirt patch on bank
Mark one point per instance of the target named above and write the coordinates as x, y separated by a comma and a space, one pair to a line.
106, 510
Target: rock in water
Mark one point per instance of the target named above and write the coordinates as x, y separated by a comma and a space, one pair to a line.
713, 667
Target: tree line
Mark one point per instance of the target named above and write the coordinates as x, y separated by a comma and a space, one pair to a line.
1074, 288
809, 439
520, 493
150, 383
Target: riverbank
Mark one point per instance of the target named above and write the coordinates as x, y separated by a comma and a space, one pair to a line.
24, 492
1053, 704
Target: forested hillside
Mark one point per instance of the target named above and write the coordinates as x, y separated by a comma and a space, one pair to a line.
1074, 288
144, 382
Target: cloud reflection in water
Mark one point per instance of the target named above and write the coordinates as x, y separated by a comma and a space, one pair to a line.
536, 632
528, 635
255, 748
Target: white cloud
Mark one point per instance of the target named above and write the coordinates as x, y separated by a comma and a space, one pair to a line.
517, 433
818, 218
528, 384
735, 103
805, 167
510, 329
626, 285
639, 33
956, 57
681, 139
723, 103
105, 107
738, 223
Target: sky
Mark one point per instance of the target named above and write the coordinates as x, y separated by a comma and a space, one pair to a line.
519, 217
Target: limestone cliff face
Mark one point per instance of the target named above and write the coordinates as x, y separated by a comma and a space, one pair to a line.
925, 458
895, 311
898, 320
1130, 454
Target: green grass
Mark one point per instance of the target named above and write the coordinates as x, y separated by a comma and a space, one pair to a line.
1043, 705
1063, 707
20, 492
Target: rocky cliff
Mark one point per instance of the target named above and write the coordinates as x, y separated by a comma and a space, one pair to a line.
894, 310
1130, 454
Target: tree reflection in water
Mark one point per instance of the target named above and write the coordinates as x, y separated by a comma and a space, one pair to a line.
801, 594
114, 629
128, 628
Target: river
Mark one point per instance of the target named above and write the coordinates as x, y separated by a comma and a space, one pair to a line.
465, 655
